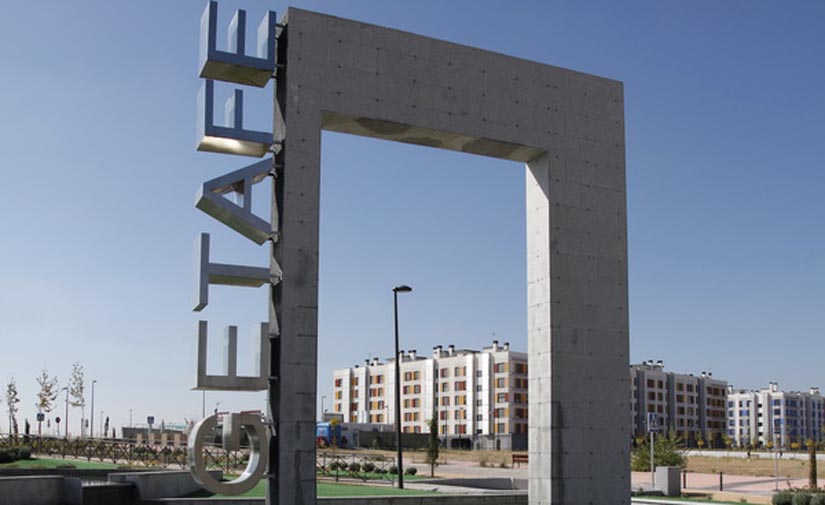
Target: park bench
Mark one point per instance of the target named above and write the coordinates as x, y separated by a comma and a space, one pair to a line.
519, 459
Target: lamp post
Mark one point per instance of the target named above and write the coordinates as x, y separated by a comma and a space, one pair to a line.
66, 420
395, 291
92, 423
102, 435
323, 397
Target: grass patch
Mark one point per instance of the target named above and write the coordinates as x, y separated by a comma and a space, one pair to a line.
324, 489
788, 468
54, 463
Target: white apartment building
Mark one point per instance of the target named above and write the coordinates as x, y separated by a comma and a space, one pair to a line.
479, 398
687, 405
777, 417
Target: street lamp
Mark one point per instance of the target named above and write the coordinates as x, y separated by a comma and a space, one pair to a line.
92, 424
66, 420
398, 289
323, 397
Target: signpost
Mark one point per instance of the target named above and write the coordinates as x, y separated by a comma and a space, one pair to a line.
652, 427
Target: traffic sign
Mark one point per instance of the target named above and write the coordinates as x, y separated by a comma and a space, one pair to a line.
653, 422
40, 417
150, 420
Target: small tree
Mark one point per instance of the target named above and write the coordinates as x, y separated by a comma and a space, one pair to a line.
666, 452
12, 399
47, 395
77, 386
432, 446
812, 484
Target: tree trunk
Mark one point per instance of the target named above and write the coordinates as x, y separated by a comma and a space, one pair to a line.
812, 465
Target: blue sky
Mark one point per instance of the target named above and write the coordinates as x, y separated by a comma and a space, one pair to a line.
725, 120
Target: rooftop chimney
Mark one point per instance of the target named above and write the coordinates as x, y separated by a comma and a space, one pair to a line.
506, 346
774, 386
814, 390
412, 354
450, 350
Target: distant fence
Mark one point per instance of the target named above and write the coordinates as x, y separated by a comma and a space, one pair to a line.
125, 452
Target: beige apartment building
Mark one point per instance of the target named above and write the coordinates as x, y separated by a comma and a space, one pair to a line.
479, 398
693, 407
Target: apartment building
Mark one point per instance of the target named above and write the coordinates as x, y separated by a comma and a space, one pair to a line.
479, 398
780, 418
690, 406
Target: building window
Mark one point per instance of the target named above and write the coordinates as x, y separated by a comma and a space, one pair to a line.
461, 386
501, 398
478, 388
338, 382
501, 382
478, 373
499, 368
445, 401
445, 372
445, 386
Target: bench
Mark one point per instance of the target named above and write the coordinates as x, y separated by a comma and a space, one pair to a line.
518, 459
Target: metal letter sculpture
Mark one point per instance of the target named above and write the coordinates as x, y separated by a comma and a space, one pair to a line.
258, 454
236, 67
230, 380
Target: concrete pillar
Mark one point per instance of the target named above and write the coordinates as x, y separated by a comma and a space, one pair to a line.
577, 329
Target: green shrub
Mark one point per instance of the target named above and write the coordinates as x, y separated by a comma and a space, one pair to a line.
380, 471
12, 454
801, 498
782, 498
356, 467
817, 499
393, 470
413, 470
666, 452
368, 467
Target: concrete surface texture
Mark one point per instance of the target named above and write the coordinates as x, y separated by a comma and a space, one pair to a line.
668, 480
162, 484
568, 127
40, 490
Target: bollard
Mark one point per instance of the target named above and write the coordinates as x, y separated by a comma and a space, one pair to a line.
720, 481
684, 479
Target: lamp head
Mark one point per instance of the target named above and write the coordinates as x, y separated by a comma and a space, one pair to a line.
402, 289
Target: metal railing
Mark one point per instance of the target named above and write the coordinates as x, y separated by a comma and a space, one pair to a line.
125, 452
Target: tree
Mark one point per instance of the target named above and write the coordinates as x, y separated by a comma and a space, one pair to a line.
76, 392
47, 395
432, 446
12, 399
666, 452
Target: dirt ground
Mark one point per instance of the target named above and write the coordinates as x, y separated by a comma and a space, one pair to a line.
797, 469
